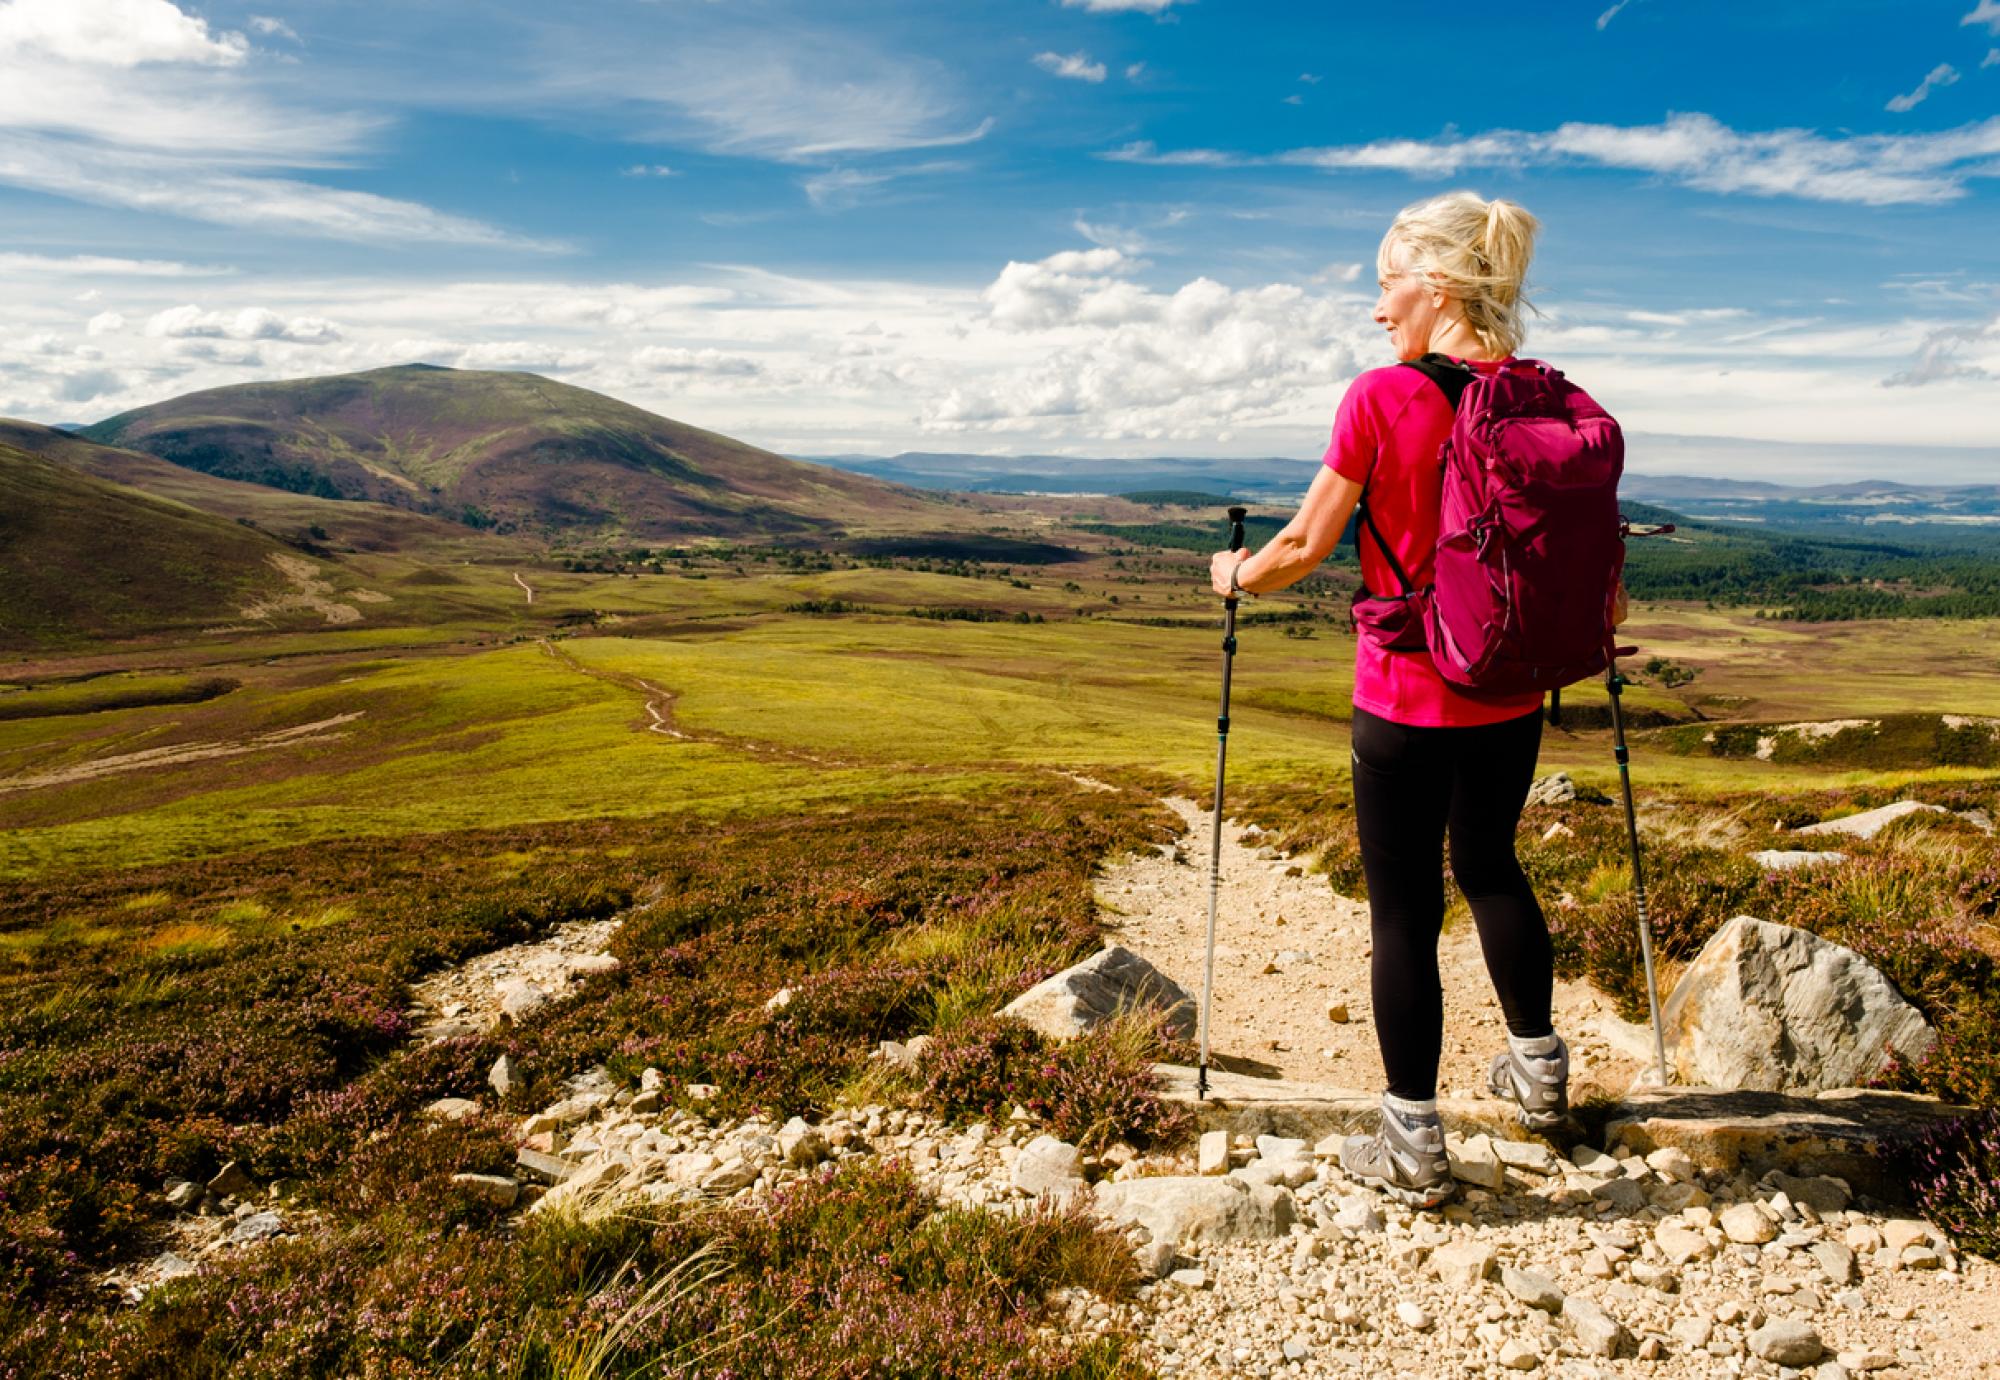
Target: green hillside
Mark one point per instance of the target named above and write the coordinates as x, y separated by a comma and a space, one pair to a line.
296, 518
503, 452
81, 558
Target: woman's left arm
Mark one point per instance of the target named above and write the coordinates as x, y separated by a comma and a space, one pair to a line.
1306, 540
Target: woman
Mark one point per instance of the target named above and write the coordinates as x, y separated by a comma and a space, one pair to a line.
1429, 762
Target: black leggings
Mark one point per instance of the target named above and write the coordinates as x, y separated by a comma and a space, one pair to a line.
1412, 788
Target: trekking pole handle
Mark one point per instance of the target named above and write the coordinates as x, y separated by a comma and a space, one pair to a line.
1236, 538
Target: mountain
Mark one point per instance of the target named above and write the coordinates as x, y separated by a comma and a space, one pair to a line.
1272, 479
1886, 506
298, 519
502, 451
83, 558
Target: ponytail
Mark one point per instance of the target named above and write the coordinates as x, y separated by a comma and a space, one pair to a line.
1477, 251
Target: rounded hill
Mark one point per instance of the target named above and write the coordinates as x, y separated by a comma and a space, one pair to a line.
513, 452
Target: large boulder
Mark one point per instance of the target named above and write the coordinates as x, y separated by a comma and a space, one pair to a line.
1772, 1008
1109, 982
1185, 1210
1869, 823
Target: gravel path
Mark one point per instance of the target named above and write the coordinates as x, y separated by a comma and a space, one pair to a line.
1289, 948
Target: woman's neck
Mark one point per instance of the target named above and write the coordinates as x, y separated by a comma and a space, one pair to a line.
1453, 337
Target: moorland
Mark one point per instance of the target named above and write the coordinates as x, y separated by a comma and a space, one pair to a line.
310, 690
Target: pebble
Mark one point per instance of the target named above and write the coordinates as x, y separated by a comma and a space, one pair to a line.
1786, 1342
1413, 1316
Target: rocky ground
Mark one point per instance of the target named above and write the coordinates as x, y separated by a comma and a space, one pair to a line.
1261, 1258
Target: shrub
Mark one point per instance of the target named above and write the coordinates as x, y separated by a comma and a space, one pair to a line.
1955, 1177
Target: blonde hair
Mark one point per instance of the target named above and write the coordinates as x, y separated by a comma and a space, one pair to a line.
1477, 252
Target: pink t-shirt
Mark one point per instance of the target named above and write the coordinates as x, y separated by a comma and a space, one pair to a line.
1386, 435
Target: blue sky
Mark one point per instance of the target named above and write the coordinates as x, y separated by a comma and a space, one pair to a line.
1107, 227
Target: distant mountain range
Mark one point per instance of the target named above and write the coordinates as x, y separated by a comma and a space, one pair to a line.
508, 452
1867, 503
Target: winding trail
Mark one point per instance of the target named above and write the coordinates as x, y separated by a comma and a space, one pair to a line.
525, 588
320, 731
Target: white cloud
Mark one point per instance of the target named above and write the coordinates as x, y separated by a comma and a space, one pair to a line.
1992, 59
1310, 79
251, 323
648, 170
135, 103
1295, 99
1942, 75
104, 323
97, 265
1604, 20
1692, 149
666, 359
1987, 12
1077, 66
1958, 351
270, 27
114, 33
541, 357
1134, 71
1145, 151
840, 188
1120, 6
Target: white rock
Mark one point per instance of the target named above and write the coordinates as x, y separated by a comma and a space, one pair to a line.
1184, 1210
1109, 982
1530, 1155
1475, 1161
258, 1226
1786, 1342
1869, 823
1746, 1223
1780, 860
1413, 1317
1280, 1148
1358, 1214
1769, 1007
1463, 1264
452, 1108
520, 999
1518, 1355
505, 1075
1213, 1154
1597, 1333
1047, 1166
1535, 1290
497, 1189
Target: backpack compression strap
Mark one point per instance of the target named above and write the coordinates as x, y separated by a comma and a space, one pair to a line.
1452, 379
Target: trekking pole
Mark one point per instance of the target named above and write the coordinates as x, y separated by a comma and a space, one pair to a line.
1615, 685
1236, 516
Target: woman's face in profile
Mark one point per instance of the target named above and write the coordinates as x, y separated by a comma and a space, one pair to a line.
1406, 307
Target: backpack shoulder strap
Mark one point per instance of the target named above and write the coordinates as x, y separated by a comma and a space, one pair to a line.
1449, 375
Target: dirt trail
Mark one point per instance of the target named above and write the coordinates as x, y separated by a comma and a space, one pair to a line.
319, 731
525, 589
1287, 947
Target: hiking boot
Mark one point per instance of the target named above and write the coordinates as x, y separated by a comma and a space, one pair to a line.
1537, 1085
1405, 1159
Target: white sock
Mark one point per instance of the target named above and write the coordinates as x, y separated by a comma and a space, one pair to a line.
1541, 1047
1405, 1107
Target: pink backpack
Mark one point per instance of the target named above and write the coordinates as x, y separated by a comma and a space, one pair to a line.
1529, 548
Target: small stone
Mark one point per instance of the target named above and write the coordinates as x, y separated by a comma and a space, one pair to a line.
1835, 1261
1896, 1234
184, 1195
520, 999
166, 1265
1156, 1259
1213, 1154
231, 1181
1652, 1349
1413, 1317
492, 1188
1865, 1359
452, 1108
1347, 1315
1463, 1264
1746, 1223
1863, 1239
1682, 1245
1516, 1355
1280, 1148
800, 1144
1358, 1215
1474, 1161
701, 1092
1625, 1196
1920, 1258
1786, 1342
258, 1226
730, 1176
1671, 1161
546, 1168
1597, 1333
1590, 1161
1597, 1265
1530, 1155
1558, 830
1048, 1166
778, 1000
1823, 1193
1535, 1290
505, 1075
1337, 1012
1653, 1276
1693, 1333
1297, 1349
1189, 1279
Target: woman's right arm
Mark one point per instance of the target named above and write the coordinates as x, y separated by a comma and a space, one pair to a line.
1304, 542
